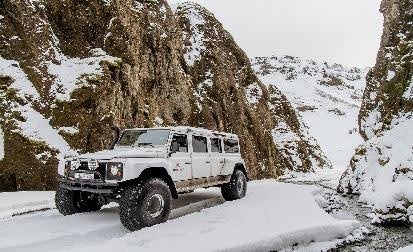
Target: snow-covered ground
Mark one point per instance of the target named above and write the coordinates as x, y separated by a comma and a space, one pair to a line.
272, 216
13, 203
406, 249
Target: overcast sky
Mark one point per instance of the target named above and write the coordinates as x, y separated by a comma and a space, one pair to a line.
342, 31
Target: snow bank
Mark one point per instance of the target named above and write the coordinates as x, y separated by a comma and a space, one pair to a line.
71, 73
13, 203
272, 216
38, 128
406, 249
253, 93
196, 39
21, 82
382, 173
287, 142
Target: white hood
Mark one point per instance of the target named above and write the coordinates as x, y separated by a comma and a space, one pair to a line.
125, 153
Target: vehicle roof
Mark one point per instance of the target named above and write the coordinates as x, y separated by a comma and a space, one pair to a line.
187, 129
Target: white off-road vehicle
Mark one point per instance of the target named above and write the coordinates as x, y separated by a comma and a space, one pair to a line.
145, 168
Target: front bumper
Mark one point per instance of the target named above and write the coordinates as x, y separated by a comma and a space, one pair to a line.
94, 186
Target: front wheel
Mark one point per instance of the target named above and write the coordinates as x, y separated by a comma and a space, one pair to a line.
70, 202
236, 188
66, 201
146, 204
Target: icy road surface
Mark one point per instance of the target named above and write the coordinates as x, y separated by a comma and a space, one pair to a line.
272, 216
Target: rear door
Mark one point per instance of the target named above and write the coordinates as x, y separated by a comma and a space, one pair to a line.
201, 161
217, 158
181, 160
232, 155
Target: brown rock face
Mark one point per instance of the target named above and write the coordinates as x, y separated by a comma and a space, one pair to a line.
389, 92
381, 169
60, 91
230, 97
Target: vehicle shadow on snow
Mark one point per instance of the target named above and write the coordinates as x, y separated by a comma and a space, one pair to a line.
194, 202
50, 231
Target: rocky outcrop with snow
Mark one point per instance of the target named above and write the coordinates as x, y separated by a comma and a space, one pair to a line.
60, 90
382, 168
70, 69
326, 96
229, 96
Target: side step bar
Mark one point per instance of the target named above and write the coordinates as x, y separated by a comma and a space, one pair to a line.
189, 185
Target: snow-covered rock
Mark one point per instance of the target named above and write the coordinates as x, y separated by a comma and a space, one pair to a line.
326, 96
230, 97
381, 170
63, 83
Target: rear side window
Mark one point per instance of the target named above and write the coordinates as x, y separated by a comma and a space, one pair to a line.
216, 145
199, 144
231, 146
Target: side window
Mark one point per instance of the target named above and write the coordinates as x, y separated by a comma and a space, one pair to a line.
180, 143
231, 146
216, 145
199, 144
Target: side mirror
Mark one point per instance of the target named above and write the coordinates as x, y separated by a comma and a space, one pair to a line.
174, 148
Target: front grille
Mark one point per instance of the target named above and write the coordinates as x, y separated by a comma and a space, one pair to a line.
101, 169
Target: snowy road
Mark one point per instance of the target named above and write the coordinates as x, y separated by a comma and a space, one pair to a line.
50, 231
272, 216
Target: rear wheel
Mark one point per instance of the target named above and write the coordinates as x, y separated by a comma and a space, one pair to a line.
236, 188
146, 204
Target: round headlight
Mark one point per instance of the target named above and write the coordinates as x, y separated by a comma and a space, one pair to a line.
74, 165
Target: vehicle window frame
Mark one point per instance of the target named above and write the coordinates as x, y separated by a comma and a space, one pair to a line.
187, 142
192, 143
220, 151
232, 139
123, 145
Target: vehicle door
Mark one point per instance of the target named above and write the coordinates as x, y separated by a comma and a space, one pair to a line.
201, 162
180, 158
217, 157
232, 155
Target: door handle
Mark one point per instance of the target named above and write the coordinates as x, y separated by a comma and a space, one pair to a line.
188, 163
207, 162
221, 162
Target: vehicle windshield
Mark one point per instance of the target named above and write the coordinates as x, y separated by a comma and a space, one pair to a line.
144, 138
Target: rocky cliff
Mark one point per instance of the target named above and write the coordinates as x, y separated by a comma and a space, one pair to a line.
70, 69
230, 97
382, 168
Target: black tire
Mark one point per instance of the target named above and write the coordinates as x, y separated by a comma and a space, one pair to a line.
236, 188
71, 202
145, 205
66, 202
